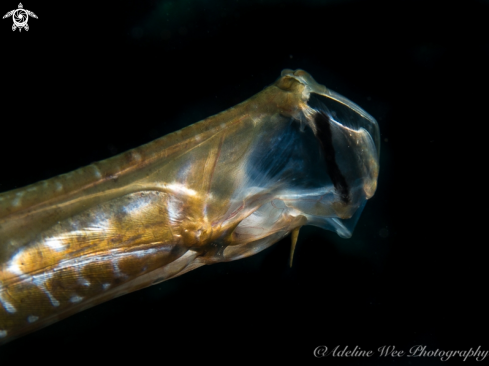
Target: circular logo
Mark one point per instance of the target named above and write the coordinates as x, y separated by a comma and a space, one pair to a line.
20, 17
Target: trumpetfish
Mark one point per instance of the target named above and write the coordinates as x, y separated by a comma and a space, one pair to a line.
222, 189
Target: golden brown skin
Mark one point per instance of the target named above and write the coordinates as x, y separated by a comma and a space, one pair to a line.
160, 210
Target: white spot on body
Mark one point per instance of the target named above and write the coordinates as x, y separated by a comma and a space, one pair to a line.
105, 286
13, 264
137, 205
7, 305
56, 244
59, 186
76, 298
14, 268
32, 318
16, 202
39, 281
96, 172
144, 253
51, 298
3, 333
197, 138
84, 282
174, 209
115, 265
136, 156
181, 189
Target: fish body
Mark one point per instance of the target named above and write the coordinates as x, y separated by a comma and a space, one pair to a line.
222, 189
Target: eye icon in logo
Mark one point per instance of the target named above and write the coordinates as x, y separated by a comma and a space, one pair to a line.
20, 17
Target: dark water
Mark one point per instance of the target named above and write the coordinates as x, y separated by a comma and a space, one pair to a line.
92, 79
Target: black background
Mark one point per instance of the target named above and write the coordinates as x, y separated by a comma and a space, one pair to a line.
92, 79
